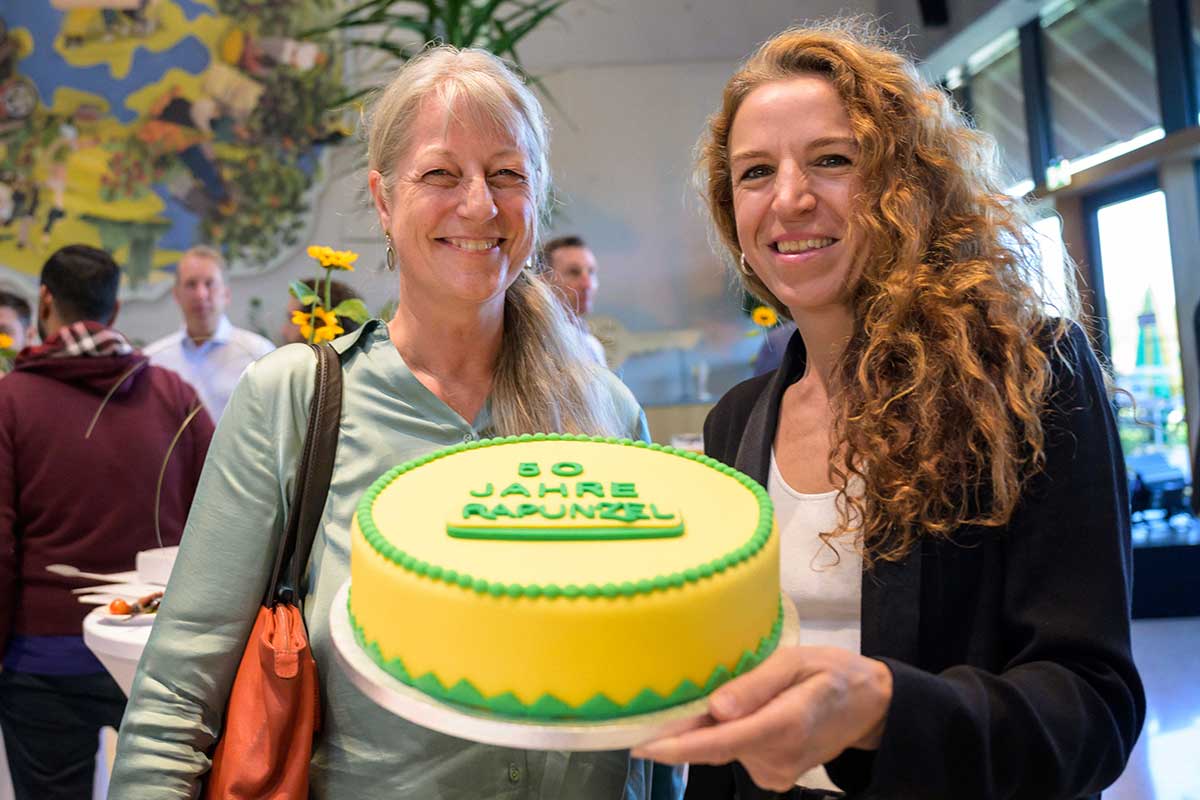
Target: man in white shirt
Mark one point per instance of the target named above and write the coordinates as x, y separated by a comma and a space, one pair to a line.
209, 352
571, 270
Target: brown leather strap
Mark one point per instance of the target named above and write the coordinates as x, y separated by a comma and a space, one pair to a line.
311, 485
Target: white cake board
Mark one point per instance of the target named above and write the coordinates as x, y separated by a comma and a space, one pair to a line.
479, 726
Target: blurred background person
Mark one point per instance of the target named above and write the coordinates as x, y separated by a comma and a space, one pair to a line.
16, 319
15, 328
770, 352
570, 267
86, 424
208, 351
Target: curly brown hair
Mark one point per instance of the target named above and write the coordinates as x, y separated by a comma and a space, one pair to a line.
939, 393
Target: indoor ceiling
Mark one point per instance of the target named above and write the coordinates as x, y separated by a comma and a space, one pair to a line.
626, 32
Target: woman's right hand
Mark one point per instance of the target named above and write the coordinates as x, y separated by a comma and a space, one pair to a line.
797, 710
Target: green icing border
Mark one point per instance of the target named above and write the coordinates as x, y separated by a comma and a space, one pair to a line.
548, 707
659, 583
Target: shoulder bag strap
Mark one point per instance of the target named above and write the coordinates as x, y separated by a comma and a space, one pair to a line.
311, 485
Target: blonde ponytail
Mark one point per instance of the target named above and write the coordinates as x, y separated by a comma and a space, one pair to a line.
546, 378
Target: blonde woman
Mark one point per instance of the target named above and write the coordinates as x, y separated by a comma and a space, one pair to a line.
457, 154
941, 453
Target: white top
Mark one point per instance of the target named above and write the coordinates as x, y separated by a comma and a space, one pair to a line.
825, 585
213, 367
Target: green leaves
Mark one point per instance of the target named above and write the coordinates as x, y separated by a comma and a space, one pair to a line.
302, 293
402, 28
352, 309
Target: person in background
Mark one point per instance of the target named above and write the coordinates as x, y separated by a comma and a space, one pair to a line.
570, 267
942, 456
770, 352
16, 319
208, 352
289, 332
458, 168
87, 467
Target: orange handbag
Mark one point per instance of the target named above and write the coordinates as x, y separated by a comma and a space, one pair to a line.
274, 706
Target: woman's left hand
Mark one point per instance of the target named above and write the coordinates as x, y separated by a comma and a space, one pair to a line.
798, 709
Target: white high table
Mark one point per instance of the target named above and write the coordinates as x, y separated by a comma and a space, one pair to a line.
116, 642
118, 645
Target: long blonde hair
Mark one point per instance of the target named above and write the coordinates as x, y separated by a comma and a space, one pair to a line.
545, 378
939, 393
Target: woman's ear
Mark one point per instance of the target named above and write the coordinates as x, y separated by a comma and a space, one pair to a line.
375, 184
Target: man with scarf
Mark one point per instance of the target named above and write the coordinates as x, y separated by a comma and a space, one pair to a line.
100, 453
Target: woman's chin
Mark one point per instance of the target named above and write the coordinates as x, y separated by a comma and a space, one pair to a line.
477, 292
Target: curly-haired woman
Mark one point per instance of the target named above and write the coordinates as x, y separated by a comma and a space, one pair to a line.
946, 472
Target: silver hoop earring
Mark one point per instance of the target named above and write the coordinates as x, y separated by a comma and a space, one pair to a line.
743, 267
389, 255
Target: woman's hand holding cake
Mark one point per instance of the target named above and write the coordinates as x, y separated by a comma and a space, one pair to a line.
799, 709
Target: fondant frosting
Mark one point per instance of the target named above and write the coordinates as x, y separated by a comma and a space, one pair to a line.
565, 577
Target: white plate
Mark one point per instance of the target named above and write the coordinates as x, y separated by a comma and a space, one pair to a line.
127, 621
68, 571
478, 726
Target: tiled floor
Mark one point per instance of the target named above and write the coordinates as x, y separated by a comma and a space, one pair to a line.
1166, 763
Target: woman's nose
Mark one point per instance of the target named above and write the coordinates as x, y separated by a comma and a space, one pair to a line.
477, 202
793, 193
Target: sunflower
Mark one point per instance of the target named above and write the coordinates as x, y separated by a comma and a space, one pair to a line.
327, 331
764, 317
6, 341
344, 259
330, 330
321, 253
329, 258
303, 321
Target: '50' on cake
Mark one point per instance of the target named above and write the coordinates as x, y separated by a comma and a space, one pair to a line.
555, 577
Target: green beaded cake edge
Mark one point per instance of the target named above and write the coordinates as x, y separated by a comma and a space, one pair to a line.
366, 523
548, 707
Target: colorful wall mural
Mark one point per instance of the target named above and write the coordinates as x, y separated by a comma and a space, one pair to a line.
147, 126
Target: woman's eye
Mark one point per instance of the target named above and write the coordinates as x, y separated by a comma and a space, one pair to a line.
506, 178
833, 161
757, 171
439, 177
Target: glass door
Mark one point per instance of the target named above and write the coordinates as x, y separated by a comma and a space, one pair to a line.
1133, 279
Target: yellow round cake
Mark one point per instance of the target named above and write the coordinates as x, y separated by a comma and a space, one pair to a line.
558, 577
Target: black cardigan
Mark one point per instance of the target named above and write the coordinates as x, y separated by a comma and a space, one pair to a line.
1009, 648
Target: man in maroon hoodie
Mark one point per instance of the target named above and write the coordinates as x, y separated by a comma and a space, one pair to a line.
86, 426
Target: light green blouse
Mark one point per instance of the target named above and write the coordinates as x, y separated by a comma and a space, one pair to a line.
228, 548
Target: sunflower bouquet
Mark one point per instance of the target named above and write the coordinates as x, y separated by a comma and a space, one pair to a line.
321, 322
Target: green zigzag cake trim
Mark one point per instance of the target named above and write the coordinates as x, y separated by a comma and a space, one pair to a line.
659, 583
550, 708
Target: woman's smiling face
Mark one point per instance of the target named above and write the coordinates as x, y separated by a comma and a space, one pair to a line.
461, 212
792, 164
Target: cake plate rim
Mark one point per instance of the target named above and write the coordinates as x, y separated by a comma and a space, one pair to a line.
413, 705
